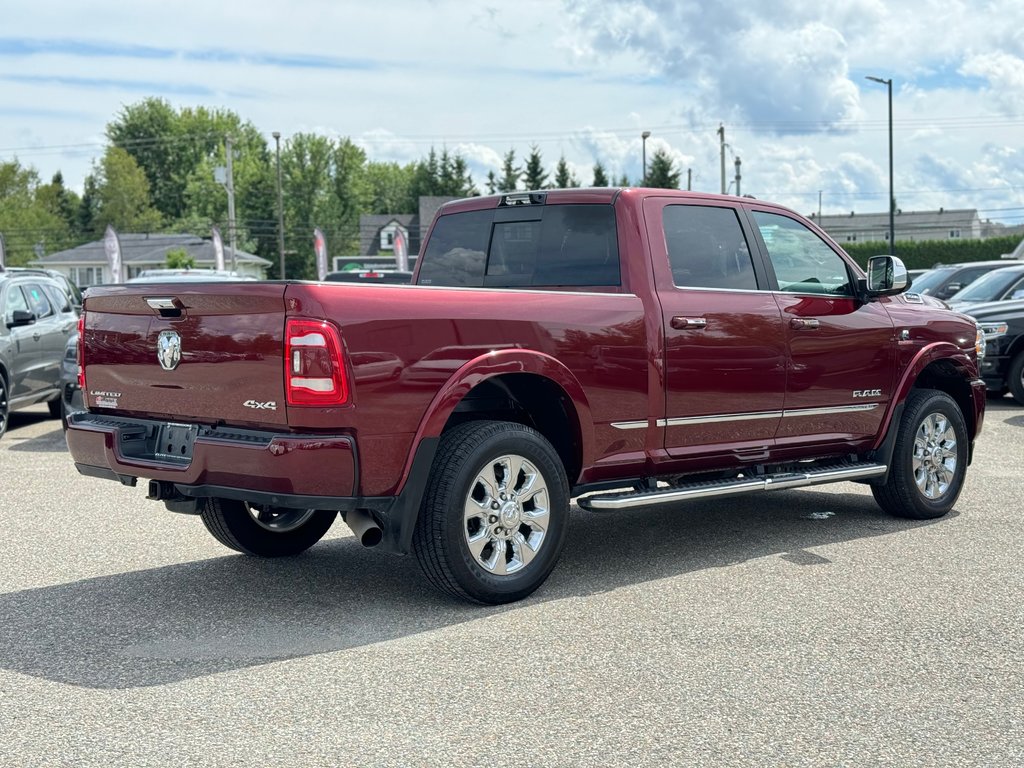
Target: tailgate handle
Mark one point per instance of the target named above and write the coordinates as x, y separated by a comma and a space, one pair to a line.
167, 306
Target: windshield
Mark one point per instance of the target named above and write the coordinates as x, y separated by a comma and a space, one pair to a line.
988, 287
930, 280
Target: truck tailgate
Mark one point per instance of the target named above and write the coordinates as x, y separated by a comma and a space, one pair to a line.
160, 350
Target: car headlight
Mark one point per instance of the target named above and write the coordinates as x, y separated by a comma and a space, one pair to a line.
980, 341
993, 329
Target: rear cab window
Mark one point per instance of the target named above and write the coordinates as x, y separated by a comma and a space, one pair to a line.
535, 246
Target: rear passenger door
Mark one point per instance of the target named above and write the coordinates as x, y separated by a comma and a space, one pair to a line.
841, 351
725, 356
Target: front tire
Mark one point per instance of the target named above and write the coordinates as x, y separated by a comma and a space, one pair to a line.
495, 513
5, 409
263, 531
1016, 378
929, 461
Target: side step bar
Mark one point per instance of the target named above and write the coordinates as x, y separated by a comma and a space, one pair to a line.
708, 488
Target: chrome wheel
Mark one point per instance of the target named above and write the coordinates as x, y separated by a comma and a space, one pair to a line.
935, 455
278, 519
506, 515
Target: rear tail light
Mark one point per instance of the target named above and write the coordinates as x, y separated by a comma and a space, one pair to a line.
314, 364
81, 352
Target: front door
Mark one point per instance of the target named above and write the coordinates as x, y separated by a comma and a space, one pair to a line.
841, 350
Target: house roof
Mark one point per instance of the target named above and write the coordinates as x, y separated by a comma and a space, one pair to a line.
370, 226
940, 219
148, 248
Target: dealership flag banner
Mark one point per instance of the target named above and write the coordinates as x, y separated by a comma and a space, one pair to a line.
218, 250
3, 252
401, 249
112, 245
320, 247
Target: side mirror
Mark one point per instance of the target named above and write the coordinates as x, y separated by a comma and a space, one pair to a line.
21, 317
887, 276
951, 289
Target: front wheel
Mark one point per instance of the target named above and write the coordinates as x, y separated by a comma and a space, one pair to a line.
1015, 380
495, 513
264, 531
929, 461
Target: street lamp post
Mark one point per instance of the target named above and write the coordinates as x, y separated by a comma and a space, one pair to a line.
280, 203
644, 136
892, 196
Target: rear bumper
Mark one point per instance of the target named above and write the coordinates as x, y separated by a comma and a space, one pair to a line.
271, 463
285, 470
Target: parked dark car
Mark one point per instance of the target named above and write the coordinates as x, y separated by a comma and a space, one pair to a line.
944, 280
1002, 368
36, 319
393, 276
1004, 284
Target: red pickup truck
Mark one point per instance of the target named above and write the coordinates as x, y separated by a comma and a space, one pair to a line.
623, 347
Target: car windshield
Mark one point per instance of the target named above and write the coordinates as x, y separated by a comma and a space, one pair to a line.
931, 280
989, 287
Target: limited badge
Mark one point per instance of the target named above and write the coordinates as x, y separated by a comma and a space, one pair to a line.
168, 350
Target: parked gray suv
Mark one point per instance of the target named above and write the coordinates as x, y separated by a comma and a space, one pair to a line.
36, 319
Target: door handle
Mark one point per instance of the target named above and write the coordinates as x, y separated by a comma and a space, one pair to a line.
805, 323
688, 323
35, 337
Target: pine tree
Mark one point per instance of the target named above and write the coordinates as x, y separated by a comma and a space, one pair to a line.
534, 175
510, 174
600, 178
564, 178
661, 172
623, 181
492, 183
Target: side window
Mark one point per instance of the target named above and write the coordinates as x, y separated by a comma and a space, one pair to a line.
60, 300
457, 250
1017, 291
707, 248
38, 302
15, 301
802, 261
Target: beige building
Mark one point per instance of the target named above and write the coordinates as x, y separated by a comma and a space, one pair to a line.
943, 224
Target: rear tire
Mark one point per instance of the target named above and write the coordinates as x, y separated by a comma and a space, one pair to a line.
5, 408
929, 461
1016, 378
54, 406
495, 513
263, 531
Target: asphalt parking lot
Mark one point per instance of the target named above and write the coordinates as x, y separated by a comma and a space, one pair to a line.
795, 628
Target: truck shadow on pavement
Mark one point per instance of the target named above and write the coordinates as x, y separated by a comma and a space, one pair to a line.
178, 622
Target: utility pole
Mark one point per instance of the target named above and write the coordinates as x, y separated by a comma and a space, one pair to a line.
229, 184
280, 203
689, 179
738, 177
819, 207
721, 137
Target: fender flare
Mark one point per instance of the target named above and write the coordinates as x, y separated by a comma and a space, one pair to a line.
931, 353
498, 363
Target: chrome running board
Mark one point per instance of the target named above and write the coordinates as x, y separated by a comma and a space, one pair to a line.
708, 488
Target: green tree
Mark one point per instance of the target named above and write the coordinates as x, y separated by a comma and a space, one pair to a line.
351, 194
149, 131
25, 220
388, 188
623, 180
600, 177
179, 258
661, 172
534, 175
564, 178
122, 192
492, 183
308, 187
59, 200
510, 174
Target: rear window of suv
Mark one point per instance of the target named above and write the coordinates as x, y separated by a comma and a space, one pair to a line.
531, 246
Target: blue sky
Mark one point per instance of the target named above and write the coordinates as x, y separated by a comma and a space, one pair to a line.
578, 78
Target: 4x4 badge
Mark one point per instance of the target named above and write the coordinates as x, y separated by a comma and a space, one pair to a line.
168, 350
